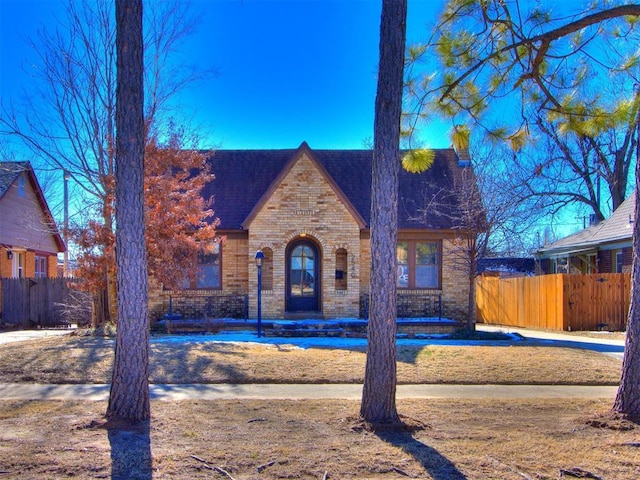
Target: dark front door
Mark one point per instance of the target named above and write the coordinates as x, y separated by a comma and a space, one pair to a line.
303, 286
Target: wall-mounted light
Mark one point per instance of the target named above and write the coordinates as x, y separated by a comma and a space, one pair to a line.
9, 254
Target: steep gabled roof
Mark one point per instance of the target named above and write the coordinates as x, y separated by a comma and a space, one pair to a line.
243, 177
617, 228
305, 150
9, 172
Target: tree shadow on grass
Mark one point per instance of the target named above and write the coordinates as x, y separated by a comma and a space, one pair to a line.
437, 465
130, 451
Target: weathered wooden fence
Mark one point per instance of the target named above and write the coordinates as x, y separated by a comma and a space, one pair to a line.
42, 302
556, 302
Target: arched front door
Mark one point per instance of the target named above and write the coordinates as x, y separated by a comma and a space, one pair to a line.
303, 277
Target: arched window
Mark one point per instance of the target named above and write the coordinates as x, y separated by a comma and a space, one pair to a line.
341, 269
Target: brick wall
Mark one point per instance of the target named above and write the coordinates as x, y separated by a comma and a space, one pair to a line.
304, 204
455, 280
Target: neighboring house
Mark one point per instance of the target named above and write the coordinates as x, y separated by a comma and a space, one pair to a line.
506, 267
308, 211
29, 239
605, 247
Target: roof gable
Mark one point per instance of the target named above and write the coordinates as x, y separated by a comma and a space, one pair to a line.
243, 179
9, 173
303, 151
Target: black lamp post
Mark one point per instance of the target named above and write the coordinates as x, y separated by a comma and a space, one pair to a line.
259, 262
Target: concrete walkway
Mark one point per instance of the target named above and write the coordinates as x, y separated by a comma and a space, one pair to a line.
21, 335
608, 346
27, 391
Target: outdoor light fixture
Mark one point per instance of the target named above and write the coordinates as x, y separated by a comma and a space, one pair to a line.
259, 258
9, 254
259, 263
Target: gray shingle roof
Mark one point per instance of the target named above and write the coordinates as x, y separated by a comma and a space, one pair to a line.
243, 176
618, 227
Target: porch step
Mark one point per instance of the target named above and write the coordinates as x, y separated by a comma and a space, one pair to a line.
354, 328
305, 332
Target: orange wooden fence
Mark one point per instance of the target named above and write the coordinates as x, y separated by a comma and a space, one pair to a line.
556, 302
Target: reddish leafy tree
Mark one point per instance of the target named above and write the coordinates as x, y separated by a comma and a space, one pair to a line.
179, 222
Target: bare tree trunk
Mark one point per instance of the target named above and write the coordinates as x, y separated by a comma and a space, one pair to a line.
129, 396
628, 397
379, 391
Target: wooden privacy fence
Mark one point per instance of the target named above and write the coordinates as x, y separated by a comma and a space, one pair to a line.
556, 302
42, 302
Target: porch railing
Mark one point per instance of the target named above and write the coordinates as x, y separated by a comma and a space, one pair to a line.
189, 306
414, 305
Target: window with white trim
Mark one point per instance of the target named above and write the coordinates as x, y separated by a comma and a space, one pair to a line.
41, 267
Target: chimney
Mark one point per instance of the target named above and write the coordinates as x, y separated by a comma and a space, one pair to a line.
464, 159
460, 135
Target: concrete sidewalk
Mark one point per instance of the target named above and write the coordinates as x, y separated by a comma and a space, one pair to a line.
100, 392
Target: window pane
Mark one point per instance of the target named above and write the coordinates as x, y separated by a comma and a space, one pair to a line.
209, 269
208, 276
426, 254
427, 265
402, 255
426, 276
302, 270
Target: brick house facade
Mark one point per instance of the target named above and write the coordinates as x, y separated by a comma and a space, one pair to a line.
308, 212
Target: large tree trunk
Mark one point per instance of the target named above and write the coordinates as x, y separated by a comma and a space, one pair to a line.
379, 391
628, 397
129, 396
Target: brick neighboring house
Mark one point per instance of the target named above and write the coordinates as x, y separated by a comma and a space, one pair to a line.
29, 239
308, 211
602, 248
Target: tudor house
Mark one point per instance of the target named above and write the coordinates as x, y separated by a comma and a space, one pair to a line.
308, 211
29, 239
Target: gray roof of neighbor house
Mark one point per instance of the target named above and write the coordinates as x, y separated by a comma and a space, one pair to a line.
9, 171
615, 229
242, 177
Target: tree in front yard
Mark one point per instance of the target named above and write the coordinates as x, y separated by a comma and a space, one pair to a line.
129, 395
628, 397
67, 115
379, 391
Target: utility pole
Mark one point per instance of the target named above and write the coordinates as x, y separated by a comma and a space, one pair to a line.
65, 233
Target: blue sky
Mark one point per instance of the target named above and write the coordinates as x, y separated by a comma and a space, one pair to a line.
289, 71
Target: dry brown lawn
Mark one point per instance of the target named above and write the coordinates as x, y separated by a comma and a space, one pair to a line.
461, 439
72, 359
454, 439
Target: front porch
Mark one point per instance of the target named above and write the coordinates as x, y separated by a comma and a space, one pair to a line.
193, 312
